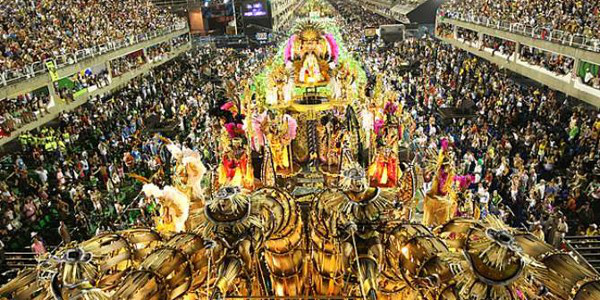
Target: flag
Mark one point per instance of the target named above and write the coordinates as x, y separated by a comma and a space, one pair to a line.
52, 71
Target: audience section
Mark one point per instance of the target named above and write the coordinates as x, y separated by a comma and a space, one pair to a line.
68, 31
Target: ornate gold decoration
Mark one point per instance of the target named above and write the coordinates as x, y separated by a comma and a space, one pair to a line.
492, 265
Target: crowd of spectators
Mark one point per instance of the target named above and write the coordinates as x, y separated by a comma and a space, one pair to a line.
572, 16
160, 51
560, 65
590, 79
124, 64
21, 110
534, 154
33, 31
504, 47
80, 170
81, 81
535, 149
575, 17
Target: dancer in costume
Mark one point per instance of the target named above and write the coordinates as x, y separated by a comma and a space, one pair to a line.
235, 168
189, 172
280, 135
277, 132
174, 208
330, 136
384, 171
440, 201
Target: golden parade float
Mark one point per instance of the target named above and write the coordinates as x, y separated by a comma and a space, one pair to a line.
310, 199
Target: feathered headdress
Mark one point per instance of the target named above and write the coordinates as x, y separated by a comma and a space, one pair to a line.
334, 48
235, 130
390, 108
176, 151
289, 48
152, 190
464, 181
309, 31
231, 107
177, 202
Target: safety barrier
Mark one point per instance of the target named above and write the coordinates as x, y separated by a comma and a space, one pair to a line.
586, 248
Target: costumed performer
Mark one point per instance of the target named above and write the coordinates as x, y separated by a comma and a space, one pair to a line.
174, 208
440, 201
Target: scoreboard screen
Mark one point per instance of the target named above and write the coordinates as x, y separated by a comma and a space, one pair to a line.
257, 21
255, 9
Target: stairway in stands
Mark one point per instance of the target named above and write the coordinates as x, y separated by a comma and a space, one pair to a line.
588, 248
13, 262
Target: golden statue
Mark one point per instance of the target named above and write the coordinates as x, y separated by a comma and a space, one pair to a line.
309, 53
310, 72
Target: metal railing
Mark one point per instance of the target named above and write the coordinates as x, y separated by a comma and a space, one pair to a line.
586, 248
9, 77
536, 32
170, 3
18, 260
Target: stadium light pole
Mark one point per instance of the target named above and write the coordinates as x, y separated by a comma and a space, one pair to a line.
234, 17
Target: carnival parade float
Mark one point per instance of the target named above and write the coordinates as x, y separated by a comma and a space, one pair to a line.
314, 197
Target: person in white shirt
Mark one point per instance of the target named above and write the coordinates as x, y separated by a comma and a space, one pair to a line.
484, 198
42, 174
588, 76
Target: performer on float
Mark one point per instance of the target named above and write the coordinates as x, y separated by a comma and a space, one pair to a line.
280, 86
330, 135
440, 201
235, 168
174, 208
368, 123
336, 85
280, 136
347, 81
343, 84
277, 132
384, 171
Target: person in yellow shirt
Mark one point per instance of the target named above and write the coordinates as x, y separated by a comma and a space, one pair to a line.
592, 230
538, 231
